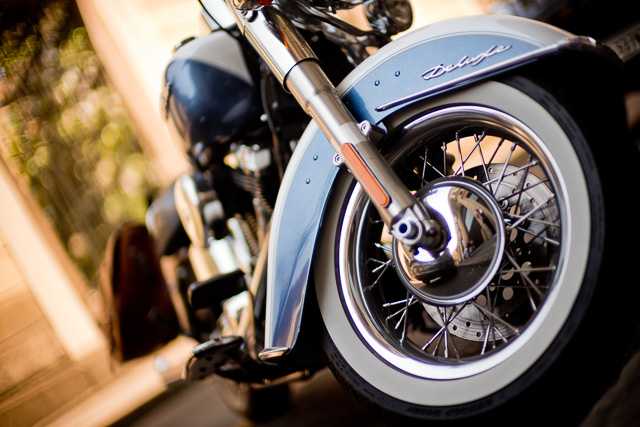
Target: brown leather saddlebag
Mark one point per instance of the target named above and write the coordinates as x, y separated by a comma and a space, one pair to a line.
140, 315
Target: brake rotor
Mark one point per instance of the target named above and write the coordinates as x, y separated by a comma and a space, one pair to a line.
525, 242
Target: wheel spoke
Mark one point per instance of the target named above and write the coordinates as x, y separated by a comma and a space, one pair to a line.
486, 338
540, 236
492, 316
408, 302
504, 169
402, 318
522, 218
443, 331
495, 330
529, 214
405, 325
433, 338
512, 173
382, 268
424, 169
460, 154
385, 248
482, 162
478, 140
523, 181
495, 152
524, 277
444, 159
510, 196
446, 336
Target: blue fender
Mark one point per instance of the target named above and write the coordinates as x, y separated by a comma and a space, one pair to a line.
424, 63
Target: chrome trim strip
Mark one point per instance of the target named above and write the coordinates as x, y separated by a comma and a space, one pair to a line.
439, 70
576, 42
273, 353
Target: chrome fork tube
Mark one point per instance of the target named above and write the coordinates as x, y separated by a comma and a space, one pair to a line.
293, 62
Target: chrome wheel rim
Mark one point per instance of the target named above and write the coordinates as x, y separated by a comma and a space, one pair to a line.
441, 339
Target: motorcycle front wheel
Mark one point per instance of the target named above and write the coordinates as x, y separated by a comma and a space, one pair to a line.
525, 327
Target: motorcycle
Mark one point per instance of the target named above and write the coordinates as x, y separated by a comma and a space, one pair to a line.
448, 234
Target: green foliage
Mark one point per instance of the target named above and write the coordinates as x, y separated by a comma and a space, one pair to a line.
65, 131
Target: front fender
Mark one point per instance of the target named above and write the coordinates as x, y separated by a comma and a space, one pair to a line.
422, 64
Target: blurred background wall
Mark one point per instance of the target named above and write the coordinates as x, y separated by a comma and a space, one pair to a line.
70, 170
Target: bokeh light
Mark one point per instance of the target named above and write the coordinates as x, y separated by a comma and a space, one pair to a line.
66, 134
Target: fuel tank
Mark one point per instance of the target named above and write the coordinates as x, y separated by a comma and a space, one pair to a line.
210, 98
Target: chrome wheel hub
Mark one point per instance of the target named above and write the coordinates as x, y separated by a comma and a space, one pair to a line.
475, 245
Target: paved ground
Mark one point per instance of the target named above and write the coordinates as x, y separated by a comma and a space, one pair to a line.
317, 402
321, 402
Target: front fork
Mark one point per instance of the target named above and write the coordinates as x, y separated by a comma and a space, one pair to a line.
293, 62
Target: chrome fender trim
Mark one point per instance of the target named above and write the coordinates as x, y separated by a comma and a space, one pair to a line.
422, 64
